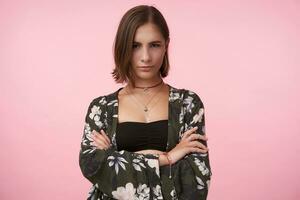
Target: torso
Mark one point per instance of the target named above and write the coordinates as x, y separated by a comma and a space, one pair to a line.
130, 110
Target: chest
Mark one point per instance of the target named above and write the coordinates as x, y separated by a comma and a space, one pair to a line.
139, 110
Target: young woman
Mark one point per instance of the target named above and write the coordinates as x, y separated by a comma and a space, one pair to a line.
146, 140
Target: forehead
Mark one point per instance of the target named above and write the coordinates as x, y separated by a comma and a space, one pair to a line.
147, 33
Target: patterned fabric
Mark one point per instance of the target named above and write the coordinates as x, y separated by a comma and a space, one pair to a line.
131, 176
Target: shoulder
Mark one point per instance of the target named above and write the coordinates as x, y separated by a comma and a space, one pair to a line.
193, 100
186, 95
105, 100
192, 94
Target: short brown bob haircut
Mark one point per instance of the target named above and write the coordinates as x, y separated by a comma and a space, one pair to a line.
130, 22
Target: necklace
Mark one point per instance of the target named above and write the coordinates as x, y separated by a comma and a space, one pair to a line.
145, 89
145, 106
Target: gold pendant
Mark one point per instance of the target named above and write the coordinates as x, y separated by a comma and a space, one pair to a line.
146, 109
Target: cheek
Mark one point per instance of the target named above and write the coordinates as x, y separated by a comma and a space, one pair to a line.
159, 56
134, 58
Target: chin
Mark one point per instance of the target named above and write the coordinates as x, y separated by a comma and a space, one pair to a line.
146, 75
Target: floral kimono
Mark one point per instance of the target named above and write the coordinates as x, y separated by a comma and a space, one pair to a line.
120, 174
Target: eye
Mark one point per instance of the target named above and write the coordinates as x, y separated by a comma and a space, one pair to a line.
134, 46
155, 45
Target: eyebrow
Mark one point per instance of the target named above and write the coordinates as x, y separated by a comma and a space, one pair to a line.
156, 41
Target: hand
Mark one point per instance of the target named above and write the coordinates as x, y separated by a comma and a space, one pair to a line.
101, 140
188, 144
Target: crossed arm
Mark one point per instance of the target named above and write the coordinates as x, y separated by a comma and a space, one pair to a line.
189, 144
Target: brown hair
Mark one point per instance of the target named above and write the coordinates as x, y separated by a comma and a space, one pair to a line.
128, 25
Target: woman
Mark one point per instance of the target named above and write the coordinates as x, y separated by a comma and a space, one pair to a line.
146, 140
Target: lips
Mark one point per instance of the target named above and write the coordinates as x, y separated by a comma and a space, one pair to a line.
145, 68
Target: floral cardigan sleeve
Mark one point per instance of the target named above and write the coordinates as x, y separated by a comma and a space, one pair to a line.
132, 176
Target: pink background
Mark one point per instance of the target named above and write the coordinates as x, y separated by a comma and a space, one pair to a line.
241, 57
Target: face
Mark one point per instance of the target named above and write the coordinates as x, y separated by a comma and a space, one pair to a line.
149, 47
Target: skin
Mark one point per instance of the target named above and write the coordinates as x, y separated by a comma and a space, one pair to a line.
149, 48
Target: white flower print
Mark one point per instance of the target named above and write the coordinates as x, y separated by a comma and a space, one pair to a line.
191, 92
153, 163
181, 132
157, 194
202, 167
105, 120
95, 115
113, 139
87, 134
181, 115
189, 103
183, 129
117, 161
87, 139
200, 184
102, 101
97, 121
143, 192
125, 193
173, 194
199, 154
95, 111
198, 117
174, 95
90, 150
114, 102
137, 164
92, 190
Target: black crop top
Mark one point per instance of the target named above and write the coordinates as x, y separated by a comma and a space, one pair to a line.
136, 136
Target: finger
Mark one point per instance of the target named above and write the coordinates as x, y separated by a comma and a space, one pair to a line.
143, 152
193, 137
204, 137
100, 144
196, 136
157, 152
198, 144
101, 137
105, 136
188, 132
193, 149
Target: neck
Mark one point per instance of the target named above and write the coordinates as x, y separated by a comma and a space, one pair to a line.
145, 82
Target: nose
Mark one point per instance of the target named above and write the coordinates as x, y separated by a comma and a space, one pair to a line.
145, 57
